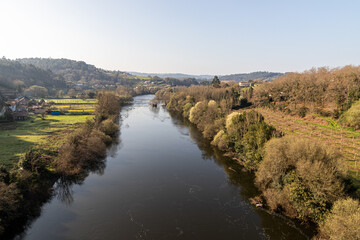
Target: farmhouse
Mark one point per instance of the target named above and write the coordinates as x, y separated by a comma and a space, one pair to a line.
9, 94
20, 116
244, 84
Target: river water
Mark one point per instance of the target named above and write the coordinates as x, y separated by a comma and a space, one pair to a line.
162, 181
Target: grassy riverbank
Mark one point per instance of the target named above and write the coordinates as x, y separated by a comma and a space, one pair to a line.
63, 148
47, 133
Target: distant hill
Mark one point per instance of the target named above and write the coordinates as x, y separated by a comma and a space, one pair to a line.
172, 75
17, 76
79, 72
265, 76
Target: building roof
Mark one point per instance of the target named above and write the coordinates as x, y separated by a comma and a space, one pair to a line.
20, 114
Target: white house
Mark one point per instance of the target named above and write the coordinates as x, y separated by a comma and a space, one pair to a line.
244, 84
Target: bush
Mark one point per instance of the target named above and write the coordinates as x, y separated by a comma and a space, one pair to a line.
109, 127
351, 118
197, 111
344, 220
34, 161
253, 143
10, 200
306, 174
81, 151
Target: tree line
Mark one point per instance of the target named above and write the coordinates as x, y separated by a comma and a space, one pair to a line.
325, 91
298, 178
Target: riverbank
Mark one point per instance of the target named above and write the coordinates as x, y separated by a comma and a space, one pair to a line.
297, 177
29, 184
48, 134
162, 181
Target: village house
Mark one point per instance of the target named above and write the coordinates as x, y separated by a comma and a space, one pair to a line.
20, 116
9, 94
22, 101
244, 84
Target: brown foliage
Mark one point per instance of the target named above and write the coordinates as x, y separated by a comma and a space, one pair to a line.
343, 223
10, 199
108, 105
317, 90
80, 151
307, 174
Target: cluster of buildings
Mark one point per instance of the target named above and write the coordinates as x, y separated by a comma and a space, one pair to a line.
16, 107
245, 84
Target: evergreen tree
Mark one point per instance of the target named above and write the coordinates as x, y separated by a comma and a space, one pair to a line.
216, 82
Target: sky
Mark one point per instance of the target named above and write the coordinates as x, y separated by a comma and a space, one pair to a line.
185, 36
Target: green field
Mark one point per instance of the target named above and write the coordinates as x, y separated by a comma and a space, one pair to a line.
35, 132
75, 106
70, 100
81, 111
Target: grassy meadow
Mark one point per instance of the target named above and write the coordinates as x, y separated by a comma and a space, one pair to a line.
35, 132
48, 133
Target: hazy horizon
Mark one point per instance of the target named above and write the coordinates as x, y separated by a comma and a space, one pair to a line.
189, 37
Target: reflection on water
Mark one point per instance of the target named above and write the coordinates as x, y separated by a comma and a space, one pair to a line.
163, 181
238, 176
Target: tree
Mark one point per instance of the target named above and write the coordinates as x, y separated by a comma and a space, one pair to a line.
90, 93
216, 82
343, 221
71, 93
301, 177
36, 91
60, 94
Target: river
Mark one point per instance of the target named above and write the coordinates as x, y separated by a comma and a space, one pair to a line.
161, 181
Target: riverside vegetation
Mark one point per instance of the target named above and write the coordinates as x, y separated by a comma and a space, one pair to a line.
302, 179
25, 187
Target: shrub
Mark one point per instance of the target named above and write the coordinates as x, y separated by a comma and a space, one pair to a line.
82, 149
10, 200
34, 161
351, 118
221, 140
344, 220
186, 109
109, 127
254, 140
306, 174
4, 175
197, 111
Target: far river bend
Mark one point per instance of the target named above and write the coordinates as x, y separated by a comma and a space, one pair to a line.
162, 181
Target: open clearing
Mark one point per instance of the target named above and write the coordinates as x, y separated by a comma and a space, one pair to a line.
47, 134
321, 129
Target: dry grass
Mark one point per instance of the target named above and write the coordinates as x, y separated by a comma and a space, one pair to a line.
319, 129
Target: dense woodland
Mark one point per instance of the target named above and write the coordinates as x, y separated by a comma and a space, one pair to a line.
264, 76
17, 76
79, 72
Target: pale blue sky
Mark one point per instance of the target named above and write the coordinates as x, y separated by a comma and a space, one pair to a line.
195, 37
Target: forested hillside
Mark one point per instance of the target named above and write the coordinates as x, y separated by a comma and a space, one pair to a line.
265, 76
18, 76
79, 72
171, 75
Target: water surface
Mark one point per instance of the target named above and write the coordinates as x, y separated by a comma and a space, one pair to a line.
162, 181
